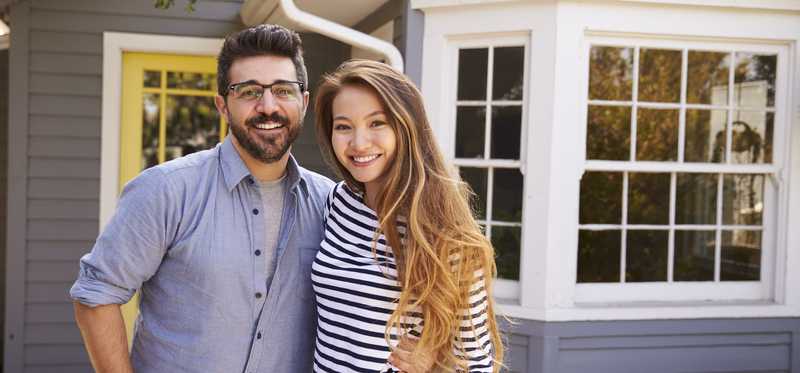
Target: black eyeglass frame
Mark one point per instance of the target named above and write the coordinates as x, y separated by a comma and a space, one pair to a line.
265, 86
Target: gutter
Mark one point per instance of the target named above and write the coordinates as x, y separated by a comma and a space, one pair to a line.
325, 27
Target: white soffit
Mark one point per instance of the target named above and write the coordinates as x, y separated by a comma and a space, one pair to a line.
344, 12
790, 5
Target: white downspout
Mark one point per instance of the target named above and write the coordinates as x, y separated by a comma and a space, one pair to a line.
343, 34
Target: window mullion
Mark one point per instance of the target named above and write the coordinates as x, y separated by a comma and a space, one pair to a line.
624, 233
634, 99
682, 113
718, 230
729, 119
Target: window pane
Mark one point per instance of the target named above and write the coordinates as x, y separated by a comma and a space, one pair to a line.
507, 195
506, 242
477, 180
473, 65
192, 125
657, 135
707, 81
506, 132
508, 73
610, 73
152, 79
150, 119
752, 137
705, 135
754, 80
646, 256
470, 132
741, 256
742, 199
186, 80
601, 198
608, 134
598, 255
648, 198
694, 255
696, 199
659, 75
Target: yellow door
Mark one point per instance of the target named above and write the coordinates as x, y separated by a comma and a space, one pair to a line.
167, 112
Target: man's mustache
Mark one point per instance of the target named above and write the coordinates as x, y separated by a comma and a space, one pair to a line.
263, 118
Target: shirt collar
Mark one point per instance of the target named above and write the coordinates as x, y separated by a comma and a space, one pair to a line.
234, 170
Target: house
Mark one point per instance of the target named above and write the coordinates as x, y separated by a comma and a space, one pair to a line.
636, 162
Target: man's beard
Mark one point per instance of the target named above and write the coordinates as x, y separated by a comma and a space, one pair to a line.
267, 150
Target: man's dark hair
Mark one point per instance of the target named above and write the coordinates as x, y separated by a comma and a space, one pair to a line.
261, 40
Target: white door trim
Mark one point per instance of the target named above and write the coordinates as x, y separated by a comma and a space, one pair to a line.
114, 45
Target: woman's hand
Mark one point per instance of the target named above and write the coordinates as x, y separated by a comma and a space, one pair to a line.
408, 362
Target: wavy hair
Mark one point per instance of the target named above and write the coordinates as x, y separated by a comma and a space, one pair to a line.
443, 253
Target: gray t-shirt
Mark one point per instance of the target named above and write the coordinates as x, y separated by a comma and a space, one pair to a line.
272, 194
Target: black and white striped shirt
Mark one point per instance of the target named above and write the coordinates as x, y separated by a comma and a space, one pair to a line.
356, 291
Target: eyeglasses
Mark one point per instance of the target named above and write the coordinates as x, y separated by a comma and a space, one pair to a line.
283, 90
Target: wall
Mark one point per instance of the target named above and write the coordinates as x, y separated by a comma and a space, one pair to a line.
3, 172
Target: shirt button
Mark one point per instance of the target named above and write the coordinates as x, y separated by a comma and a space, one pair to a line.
251, 181
255, 211
258, 336
258, 252
258, 295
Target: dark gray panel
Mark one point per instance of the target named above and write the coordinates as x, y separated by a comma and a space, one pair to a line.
52, 333
517, 352
50, 292
65, 105
389, 11
66, 63
64, 168
56, 354
69, 85
48, 125
60, 147
50, 312
3, 174
64, 188
58, 250
413, 28
83, 230
63, 209
67, 42
205, 10
60, 368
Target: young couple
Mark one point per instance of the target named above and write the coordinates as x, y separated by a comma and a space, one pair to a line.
247, 262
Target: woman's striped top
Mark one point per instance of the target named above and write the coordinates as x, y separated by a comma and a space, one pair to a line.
356, 291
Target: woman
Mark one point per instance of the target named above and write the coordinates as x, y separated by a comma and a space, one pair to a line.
403, 258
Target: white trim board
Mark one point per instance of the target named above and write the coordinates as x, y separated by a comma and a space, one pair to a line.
789, 5
114, 45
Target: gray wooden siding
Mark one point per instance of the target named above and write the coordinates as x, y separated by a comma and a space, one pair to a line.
720, 345
3, 173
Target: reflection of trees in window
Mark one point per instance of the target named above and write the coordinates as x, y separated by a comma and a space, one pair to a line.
192, 124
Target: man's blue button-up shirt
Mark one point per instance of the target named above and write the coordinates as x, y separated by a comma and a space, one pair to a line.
186, 234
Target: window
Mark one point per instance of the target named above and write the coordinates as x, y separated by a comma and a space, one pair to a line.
488, 127
679, 194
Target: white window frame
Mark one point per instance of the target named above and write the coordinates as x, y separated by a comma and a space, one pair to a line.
503, 288
671, 291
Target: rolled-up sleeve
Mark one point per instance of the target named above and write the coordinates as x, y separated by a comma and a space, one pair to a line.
130, 248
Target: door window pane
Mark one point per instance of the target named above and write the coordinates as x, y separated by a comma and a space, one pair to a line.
608, 134
610, 73
507, 195
470, 132
694, 255
599, 255
707, 81
192, 125
473, 65
741, 256
187, 80
648, 198
601, 198
150, 129
659, 75
705, 135
657, 135
696, 199
152, 79
646, 256
508, 73
506, 132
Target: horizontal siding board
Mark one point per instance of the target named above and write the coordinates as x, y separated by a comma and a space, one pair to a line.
62, 84
67, 42
50, 292
203, 10
72, 189
52, 333
49, 313
65, 105
58, 147
67, 168
62, 229
56, 354
80, 127
59, 368
49, 272
58, 250
96, 23
66, 63
660, 341
63, 209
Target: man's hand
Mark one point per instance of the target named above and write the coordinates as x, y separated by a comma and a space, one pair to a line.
103, 332
408, 362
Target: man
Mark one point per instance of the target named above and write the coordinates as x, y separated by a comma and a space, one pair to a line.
219, 242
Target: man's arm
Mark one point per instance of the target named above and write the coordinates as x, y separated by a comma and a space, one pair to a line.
103, 332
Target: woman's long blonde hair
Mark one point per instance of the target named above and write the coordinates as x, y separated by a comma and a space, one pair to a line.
444, 252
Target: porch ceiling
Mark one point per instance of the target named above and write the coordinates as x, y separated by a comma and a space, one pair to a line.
344, 12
